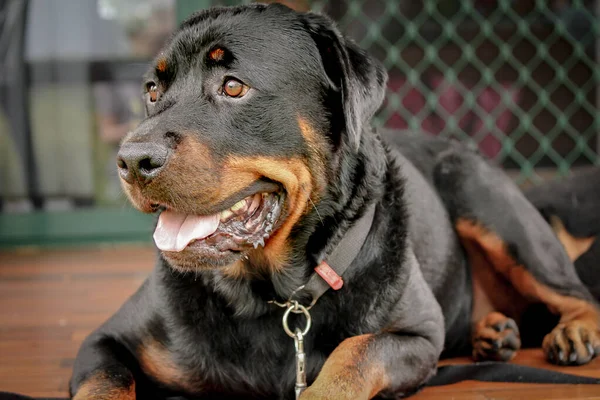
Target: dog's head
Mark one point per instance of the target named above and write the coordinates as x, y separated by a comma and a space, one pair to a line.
247, 110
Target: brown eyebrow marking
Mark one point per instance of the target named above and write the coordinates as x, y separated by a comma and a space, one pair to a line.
161, 65
217, 54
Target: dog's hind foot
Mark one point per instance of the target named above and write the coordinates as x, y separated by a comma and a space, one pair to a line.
495, 337
572, 343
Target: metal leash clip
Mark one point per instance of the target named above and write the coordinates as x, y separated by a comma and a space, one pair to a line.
298, 336
300, 363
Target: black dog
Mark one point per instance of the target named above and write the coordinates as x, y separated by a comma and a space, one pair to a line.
259, 155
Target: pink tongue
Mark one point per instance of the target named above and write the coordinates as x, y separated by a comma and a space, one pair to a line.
175, 231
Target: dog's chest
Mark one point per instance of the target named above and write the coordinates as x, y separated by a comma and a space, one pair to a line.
255, 357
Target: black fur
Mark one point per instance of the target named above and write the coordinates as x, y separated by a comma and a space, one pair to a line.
575, 200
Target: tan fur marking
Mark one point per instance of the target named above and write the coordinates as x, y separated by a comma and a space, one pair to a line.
188, 174
349, 373
193, 182
574, 246
156, 361
295, 176
217, 54
190, 169
161, 65
185, 179
318, 146
100, 387
521, 279
491, 290
575, 314
133, 192
237, 270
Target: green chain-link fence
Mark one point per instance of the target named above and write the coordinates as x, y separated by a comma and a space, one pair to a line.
516, 78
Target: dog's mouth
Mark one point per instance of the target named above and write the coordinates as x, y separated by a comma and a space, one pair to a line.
245, 225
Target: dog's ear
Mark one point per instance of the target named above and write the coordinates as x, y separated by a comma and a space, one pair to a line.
359, 78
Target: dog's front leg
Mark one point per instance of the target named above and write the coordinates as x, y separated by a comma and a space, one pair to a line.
394, 362
364, 366
104, 365
98, 372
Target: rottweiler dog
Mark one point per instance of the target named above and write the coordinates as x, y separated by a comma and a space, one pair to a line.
259, 156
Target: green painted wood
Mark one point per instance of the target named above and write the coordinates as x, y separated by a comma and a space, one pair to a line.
74, 228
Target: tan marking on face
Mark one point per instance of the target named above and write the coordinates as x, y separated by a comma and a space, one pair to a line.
217, 54
318, 147
295, 176
190, 181
193, 182
136, 198
99, 386
161, 65
574, 246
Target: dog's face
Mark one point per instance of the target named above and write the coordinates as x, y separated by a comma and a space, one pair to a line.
247, 108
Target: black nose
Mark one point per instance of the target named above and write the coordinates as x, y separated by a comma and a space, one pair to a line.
141, 161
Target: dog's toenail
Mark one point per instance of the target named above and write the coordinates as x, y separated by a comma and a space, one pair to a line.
590, 349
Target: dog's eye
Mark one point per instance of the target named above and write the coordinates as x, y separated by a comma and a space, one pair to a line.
234, 88
152, 92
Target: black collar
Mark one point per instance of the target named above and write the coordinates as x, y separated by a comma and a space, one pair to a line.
328, 274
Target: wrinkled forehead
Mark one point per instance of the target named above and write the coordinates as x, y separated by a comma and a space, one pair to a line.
259, 42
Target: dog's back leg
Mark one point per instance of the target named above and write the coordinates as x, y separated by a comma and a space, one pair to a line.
516, 259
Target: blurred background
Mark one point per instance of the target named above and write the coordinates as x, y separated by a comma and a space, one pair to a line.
517, 79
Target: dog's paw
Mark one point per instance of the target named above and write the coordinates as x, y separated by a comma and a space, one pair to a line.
572, 343
496, 337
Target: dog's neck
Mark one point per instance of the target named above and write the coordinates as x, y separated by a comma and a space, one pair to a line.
358, 184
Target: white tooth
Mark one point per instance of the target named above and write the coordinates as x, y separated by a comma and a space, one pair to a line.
239, 205
226, 214
255, 203
255, 244
261, 242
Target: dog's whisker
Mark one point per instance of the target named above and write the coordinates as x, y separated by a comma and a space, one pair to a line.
316, 210
313, 205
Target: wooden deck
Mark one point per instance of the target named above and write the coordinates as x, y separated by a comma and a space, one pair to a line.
50, 301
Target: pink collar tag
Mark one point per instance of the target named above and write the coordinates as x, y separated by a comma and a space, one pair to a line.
329, 275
